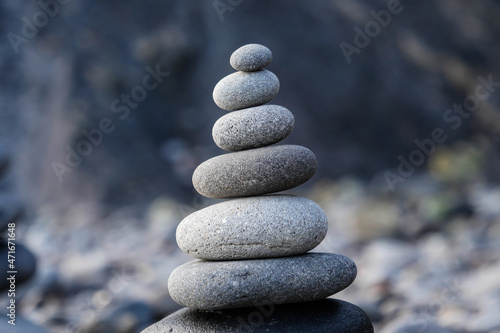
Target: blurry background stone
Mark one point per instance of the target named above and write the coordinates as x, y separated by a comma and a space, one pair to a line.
115, 213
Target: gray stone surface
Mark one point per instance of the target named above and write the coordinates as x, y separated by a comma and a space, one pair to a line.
253, 227
251, 57
253, 127
245, 89
323, 316
255, 171
215, 285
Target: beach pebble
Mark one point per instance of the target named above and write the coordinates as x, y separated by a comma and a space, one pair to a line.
214, 285
323, 316
255, 171
251, 57
253, 127
253, 227
246, 89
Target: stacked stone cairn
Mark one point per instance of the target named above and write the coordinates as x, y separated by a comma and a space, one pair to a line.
253, 271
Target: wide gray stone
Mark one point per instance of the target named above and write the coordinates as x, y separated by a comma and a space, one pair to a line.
245, 89
253, 127
255, 171
323, 316
215, 285
251, 57
253, 227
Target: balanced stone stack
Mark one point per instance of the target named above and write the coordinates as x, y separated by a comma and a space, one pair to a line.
252, 250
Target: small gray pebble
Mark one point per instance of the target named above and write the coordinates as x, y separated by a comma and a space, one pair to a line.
255, 171
216, 285
255, 127
323, 316
253, 227
246, 89
251, 57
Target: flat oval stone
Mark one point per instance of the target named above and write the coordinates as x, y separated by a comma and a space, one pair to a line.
253, 227
255, 127
251, 57
246, 89
215, 285
323, 316
255, 171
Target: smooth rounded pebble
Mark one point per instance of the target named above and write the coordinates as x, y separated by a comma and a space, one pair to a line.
255, 127
251, 57
216, 285
253, 227
323, 316
246, 89
255, 171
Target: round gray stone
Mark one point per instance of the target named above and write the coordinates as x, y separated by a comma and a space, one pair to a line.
255, 127
215, 285
255, 171
323, 316
245, 89
253, 227
251, 57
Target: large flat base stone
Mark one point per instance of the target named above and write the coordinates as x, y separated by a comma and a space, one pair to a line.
327, 315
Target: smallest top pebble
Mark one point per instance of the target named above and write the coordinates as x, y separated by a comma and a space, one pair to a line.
251, 57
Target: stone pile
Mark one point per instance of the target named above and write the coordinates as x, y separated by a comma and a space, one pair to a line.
252, 250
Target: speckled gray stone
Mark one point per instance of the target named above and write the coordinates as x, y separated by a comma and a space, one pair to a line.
253, 227
251, 57
215, 285
323, 316
253, 127
255, 171
245, 89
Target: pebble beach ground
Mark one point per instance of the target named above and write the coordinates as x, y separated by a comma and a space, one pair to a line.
428, 258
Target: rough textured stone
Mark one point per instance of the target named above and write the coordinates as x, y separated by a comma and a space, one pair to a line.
254, 227
253, 127
251, 57
215, 285
324, 316
245, 89
255, 171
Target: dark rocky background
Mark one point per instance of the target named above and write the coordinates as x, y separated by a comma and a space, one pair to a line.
356, 116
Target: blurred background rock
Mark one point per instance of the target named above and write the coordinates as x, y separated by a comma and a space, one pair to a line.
104, 230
